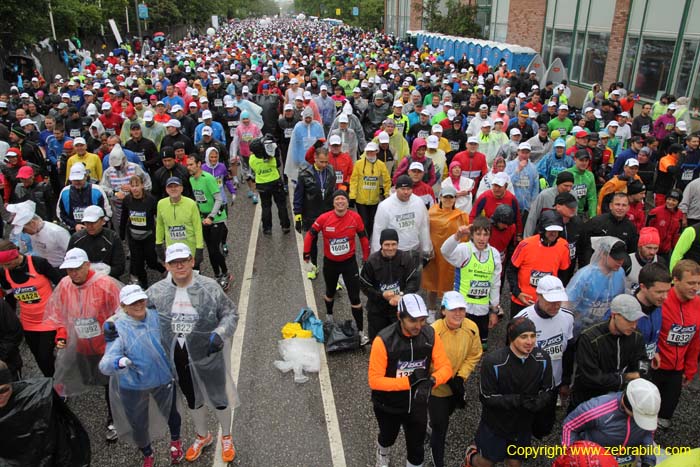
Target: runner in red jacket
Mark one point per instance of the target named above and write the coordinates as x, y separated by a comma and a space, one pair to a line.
341, 163
679, 340
667, 220
339, 228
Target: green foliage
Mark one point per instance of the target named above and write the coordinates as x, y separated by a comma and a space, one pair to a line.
460, 20
370, 16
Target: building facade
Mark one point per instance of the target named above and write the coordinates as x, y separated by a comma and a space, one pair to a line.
649, 45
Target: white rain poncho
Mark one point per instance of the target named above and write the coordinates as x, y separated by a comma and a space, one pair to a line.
211, 375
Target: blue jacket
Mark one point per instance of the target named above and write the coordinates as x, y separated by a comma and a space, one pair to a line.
550, 166
130, 156
620, 161
217, 133
140, 342
526, 183
602, 420
649, 326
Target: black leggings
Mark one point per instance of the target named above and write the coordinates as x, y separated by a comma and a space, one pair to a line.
184, 377
269, 192
351, 276
367, 213
670, 384
413, 429
440, 409
378, 320
42, 344
213, 237
482, 322
142, 253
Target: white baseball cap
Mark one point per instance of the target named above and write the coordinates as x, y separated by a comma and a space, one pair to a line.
485, 124
132, 293
207, 131
452, 300
473, 140
524, 146
552, 289
632, 162
148, 116
24, 212
433, 142
175, 108
93, 214
177, 251
206, 115
680, 125
644, 397
174, 123
74, 258
413, 305
77, 172
343, 118
563, 107
371, 146
106, 106
515, 131
79, 140
335, 140
416, 166
383, 137
437, 128
500, 179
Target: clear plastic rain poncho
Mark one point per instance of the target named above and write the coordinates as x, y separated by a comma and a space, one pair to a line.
592, 289
141, 395
211, 373
79, 311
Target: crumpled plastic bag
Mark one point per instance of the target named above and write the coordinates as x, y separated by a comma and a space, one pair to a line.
299, 355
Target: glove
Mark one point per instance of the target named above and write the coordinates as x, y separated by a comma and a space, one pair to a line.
532, 403
297, 223
425, 261
160, 252
351, 203
418, 375
456, 384
198, 257
421, 392
216, 343
122, 363
110, 331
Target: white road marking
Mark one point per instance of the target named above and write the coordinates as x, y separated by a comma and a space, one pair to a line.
237, 343
332, 426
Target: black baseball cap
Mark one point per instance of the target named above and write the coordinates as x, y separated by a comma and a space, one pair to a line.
567, 199
618, 250
404, 181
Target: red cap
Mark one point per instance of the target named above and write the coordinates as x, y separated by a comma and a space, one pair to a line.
649, 236
25, 172
68, 145
582, 134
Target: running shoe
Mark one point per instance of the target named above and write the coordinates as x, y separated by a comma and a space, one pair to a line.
228, 451
194, 451
364, 340
382, 457
149, 461
255, 199
313, 274
250, 194
267, 232
471, 451
224, 249
111, 434
225, 281
286, 230
176, 454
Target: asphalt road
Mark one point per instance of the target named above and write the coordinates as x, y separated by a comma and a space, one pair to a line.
282, 423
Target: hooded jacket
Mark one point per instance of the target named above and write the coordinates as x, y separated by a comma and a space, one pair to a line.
429, 175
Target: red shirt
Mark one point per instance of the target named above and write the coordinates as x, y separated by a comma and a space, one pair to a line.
679, 341
473, 166
502, 239
637, 215
486, 204
338, 235
534, 107
342, 165
668, 223
112, 123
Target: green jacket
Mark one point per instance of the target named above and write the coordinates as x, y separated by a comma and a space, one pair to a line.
179, 222
204, 188
266, 171
585, 190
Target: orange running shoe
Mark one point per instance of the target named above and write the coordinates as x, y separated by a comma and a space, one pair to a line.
194, 451
228, 452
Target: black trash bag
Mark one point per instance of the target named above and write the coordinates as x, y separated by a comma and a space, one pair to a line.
39, 430
340, 337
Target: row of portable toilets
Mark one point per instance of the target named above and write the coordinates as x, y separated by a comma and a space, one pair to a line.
514, 55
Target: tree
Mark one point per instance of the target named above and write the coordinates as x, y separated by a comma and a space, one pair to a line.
459, 19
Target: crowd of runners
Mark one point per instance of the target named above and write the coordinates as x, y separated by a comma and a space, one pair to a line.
432, 182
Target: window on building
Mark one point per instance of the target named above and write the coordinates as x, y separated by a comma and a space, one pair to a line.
628, 60
689, 50
695, 99
561, 46
654, 67
578, 54
594, 58
547, 46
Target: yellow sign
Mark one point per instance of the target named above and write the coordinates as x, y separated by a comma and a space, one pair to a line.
337, 12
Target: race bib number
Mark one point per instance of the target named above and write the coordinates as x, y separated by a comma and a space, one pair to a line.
218, 103
199, 196
572, 251
78, 214
27, 294
393, 287
687, 175
110, 131
554, 346
406, 220
645, 129
177, 233
74, 98
580, 190
142, 156
651, 350
535, 276
562, 131
87, 328
454, 145
370, 183
406, 368
231, 123
182, 324
339, 246
598, 310
74, 133
288, 132
680, 335
232, 131
338, 176
423, 134
138, 218
626, 461
523, 182
247, 137
479, 289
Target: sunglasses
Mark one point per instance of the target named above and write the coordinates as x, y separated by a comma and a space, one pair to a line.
5, 389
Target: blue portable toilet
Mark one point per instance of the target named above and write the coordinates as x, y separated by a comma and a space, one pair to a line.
495, 56
486, 53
